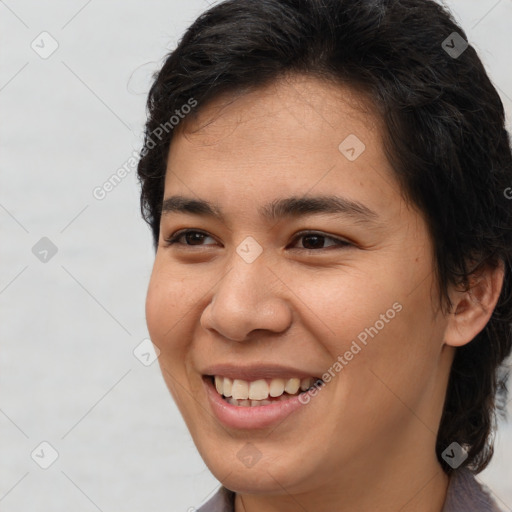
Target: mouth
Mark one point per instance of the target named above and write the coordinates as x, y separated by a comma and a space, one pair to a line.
260, 392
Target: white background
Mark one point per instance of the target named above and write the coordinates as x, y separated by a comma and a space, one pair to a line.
67, 372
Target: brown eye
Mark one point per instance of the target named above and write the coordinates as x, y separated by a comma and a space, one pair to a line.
191, 237
313, 241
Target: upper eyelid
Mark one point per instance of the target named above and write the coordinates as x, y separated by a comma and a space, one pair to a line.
182, 232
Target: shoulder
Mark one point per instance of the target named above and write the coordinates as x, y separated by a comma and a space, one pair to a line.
466, 493
222, 501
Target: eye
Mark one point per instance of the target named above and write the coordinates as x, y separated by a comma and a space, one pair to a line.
311, 240
191, 237
314, 240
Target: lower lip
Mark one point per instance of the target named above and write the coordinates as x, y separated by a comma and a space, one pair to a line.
241, 417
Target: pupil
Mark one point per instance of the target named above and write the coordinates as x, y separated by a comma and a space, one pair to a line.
190, 237
316, 238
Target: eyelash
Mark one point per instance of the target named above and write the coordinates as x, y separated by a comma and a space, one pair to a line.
174, 239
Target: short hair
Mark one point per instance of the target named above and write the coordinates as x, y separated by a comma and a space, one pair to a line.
445, 138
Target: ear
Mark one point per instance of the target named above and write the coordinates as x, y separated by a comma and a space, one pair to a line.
473, 309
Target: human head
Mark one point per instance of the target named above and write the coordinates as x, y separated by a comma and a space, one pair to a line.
443, 132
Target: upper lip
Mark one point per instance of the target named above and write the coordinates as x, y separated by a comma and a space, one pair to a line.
255, 372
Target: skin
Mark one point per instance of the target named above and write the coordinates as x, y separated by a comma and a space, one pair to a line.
367, 440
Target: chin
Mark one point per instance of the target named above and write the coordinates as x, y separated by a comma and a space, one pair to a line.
245, 471
256, 481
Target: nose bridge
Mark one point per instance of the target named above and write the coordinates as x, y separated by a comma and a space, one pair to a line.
246, 299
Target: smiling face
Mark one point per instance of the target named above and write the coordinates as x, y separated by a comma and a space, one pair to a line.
302, 261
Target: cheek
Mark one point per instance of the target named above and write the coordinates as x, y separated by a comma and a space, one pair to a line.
395, 372
166, 308
156, 305
387, 332
350, 307
163, 312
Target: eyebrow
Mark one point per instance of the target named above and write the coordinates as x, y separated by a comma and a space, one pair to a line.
277, 209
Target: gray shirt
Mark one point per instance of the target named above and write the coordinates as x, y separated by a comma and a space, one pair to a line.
464, 494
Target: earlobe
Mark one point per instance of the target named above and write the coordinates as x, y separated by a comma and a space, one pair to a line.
473, 309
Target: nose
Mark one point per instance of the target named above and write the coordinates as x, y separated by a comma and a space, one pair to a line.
248, 298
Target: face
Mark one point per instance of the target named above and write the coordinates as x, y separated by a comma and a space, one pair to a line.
293, 257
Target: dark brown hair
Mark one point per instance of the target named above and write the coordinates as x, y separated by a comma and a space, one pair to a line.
445, 137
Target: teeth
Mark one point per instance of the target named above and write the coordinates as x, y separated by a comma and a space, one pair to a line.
240, 389
292, 386
258, 389
252, 403
260, 402
257, 392
305, 384
228, 386
219, 385
277, 387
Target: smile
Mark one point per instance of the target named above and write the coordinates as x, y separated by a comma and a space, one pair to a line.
260, 392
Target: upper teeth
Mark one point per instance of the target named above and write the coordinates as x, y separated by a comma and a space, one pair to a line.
260, 389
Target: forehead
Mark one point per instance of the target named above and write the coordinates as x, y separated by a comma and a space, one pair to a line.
296, 105
298, 135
